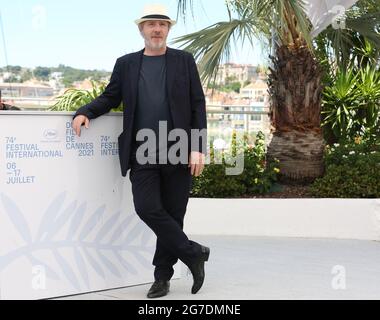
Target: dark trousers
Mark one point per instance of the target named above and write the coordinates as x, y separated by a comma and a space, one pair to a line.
160, 196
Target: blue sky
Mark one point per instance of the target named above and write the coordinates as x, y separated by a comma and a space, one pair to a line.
91, 34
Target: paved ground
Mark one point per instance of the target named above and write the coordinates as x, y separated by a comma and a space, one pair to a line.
274, 268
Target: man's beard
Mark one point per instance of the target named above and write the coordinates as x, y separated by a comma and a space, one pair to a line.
155, 46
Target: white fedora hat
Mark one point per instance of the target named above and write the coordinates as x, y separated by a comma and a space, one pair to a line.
155, 12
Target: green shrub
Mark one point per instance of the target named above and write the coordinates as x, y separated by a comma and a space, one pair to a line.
72, 98
352, 171
351, 105
351, 153
258, 176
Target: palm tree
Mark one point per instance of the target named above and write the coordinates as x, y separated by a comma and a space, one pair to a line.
295, 75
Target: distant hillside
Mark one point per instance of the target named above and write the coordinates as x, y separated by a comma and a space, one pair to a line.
67, 77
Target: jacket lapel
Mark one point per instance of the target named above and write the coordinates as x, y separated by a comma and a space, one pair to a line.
171, 62
134, 73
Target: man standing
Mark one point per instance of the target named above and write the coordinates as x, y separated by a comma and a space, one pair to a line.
158, 85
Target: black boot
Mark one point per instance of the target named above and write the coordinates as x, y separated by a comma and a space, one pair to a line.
197, 269
159, 288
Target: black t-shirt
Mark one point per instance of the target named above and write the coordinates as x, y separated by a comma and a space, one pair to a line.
152, 103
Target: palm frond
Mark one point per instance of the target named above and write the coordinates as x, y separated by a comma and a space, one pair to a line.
260, 19
74, 98
182, 8
212, 45
367, 25
360, 27
300, 23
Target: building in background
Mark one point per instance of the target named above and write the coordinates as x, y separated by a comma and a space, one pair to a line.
256, 91
232, 72
27, 95
246, 111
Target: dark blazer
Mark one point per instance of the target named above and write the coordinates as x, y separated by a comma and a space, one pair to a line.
185, 96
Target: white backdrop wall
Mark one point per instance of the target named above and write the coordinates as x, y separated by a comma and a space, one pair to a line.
67, 221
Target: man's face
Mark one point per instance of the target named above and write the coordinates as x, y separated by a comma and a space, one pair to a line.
154, 33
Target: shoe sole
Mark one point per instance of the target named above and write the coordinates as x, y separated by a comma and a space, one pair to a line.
157, 296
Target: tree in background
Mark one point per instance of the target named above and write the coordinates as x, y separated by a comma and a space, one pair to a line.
42, 73
295, 75
350, 59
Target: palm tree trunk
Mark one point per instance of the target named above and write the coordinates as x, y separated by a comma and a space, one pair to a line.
295, 112
300, 155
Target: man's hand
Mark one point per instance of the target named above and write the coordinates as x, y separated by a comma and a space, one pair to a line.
77, 123
196, 162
